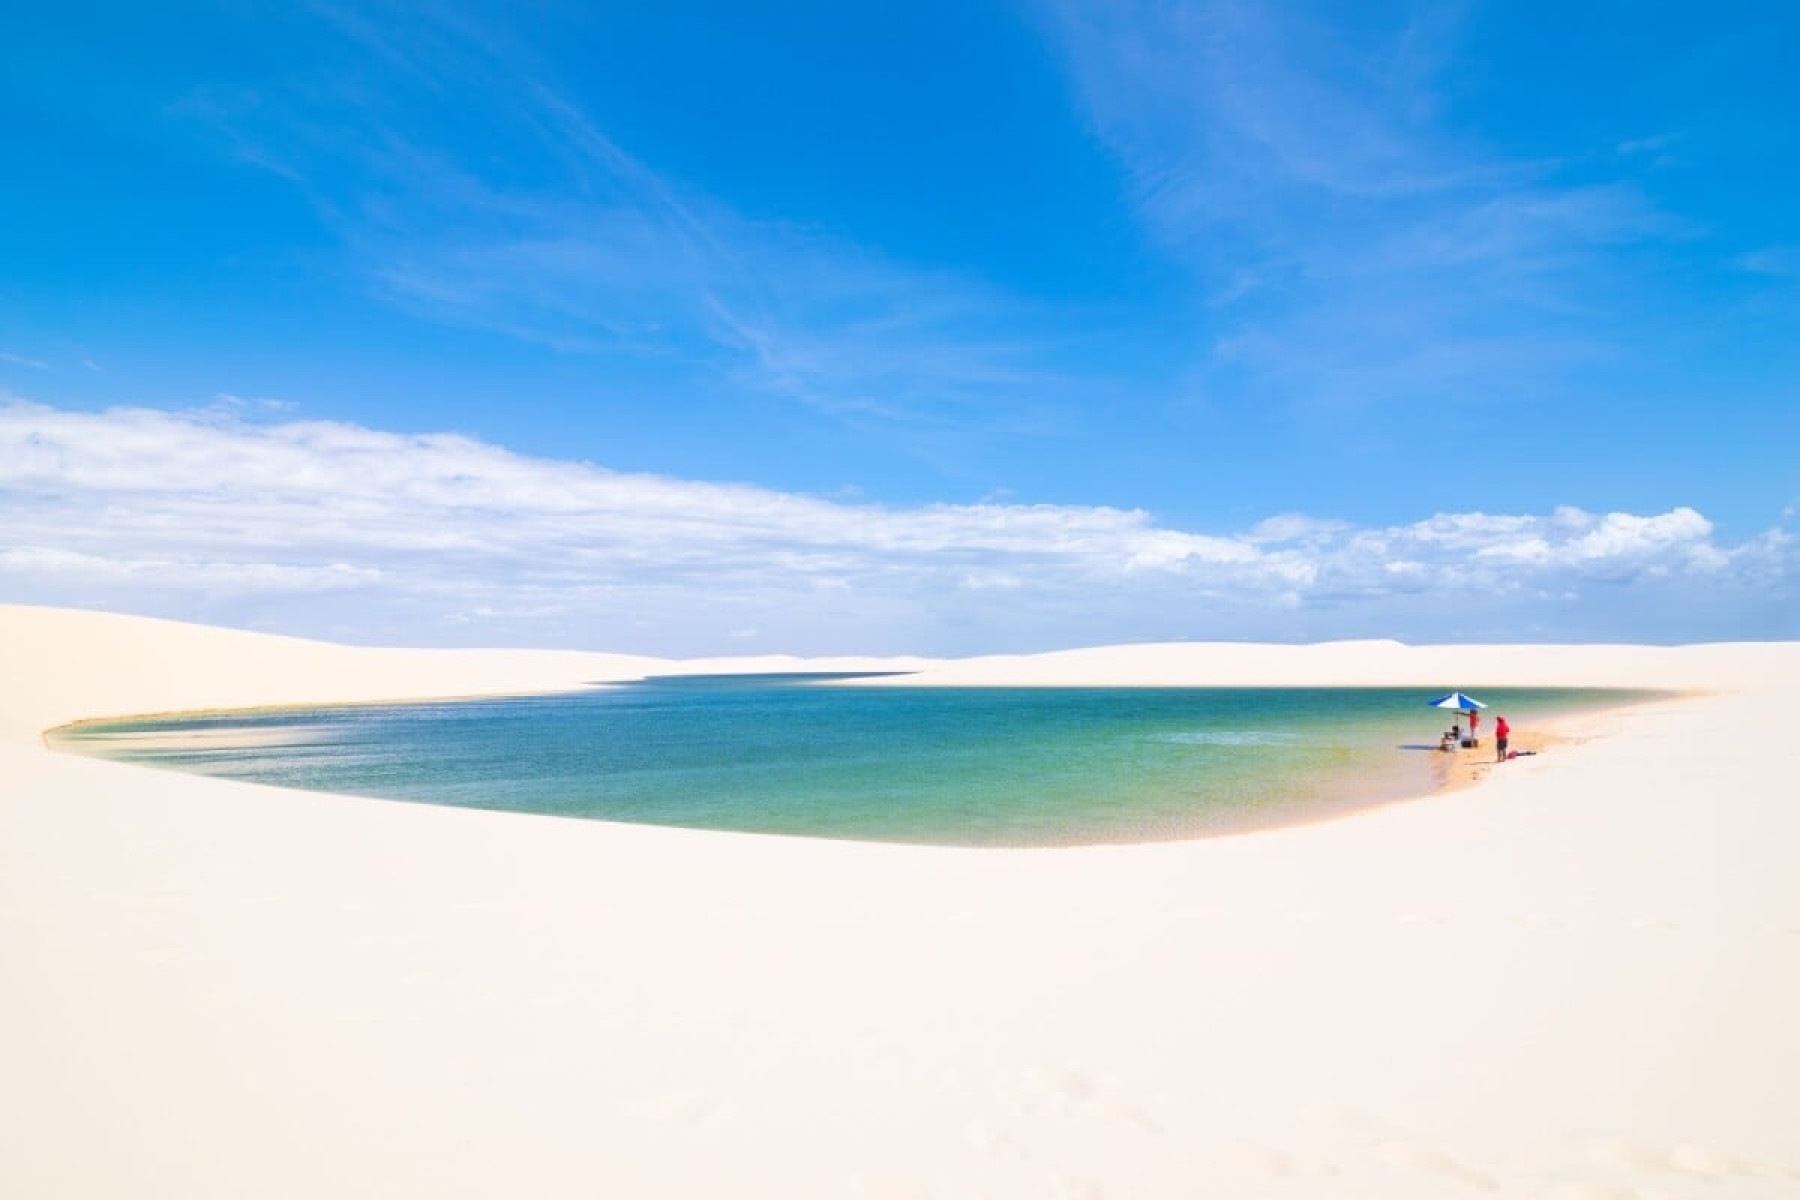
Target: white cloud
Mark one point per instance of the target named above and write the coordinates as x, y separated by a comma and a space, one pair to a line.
570, 241
49, 563
1358, 247
324, 527
1781, 262
231, 402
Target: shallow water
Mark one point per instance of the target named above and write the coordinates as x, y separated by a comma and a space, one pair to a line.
784, 754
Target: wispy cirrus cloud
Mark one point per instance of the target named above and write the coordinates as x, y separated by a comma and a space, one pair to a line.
1779, 262
327, 528
535, 223
1356, 248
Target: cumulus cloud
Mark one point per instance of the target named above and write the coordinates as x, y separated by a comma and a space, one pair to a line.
329, 528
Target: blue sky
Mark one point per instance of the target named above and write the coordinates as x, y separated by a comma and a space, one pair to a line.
938, 327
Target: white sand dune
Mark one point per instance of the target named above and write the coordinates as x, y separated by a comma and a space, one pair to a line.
1578, 980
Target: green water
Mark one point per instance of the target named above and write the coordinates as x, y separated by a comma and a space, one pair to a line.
785, 754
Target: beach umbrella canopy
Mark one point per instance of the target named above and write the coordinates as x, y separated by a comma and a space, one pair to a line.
1457, 702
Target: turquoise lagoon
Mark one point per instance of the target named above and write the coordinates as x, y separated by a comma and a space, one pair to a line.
794, 755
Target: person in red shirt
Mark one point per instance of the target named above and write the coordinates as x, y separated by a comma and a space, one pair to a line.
1501, 731
1475, 727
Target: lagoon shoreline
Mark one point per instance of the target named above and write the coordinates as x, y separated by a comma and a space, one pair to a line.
994, 767
1574, 979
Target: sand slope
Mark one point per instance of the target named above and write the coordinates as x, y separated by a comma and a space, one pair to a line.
1578, 980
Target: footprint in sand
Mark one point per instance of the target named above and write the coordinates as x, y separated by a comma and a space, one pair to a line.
1431, 1162
1260, 1160
1070, 1093
1071, 1187
1263, 1160
1058, 1084
1703, 1161
1590, 1191
1619, 1154
1131, 1114
1344, 1117
1706, 1162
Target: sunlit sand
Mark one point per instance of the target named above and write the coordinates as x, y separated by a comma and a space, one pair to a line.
1575, 978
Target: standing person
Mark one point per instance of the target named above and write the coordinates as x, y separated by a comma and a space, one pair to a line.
1474, 727
1501, 731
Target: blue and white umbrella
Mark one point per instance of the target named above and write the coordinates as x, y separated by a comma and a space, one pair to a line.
1457, 702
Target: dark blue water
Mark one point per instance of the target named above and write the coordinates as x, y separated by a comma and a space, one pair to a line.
785, 754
